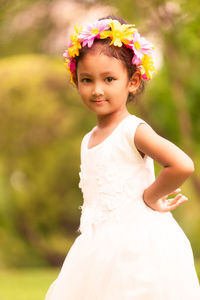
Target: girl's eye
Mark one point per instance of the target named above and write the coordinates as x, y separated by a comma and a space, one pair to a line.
86, 80
109, 79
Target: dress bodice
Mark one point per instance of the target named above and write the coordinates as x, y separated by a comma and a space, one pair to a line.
113, 173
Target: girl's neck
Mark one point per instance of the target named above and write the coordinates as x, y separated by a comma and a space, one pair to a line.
112, 119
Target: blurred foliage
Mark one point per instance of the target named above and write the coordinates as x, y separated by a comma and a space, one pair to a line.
42, 119
41, 130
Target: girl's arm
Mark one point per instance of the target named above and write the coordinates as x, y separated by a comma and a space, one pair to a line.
177, 167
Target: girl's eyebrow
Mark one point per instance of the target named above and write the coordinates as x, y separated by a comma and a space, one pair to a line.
84, 74
104, 73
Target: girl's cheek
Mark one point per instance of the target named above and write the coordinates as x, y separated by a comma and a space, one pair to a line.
85, 93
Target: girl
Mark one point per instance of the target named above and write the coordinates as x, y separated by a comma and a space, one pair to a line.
130, 247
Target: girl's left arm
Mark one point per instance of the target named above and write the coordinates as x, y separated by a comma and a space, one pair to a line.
177, 167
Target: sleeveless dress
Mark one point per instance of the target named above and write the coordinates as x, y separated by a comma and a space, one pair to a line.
125, 250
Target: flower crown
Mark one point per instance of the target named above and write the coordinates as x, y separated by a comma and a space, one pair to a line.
120, 34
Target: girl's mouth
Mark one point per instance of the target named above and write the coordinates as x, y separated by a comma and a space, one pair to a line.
99, 102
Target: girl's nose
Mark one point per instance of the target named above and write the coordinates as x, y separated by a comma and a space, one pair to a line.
97, 92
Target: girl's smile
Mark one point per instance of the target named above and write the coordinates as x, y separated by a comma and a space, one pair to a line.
99, 102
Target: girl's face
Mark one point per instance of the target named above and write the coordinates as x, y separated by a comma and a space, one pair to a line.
103, 83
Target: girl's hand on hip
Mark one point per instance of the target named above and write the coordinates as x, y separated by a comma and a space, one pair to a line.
165, 205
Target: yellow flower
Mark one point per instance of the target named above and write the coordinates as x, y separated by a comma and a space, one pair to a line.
95, 31
73, 50
120, 33
148, 66
137, 45
66, 64
74, 37
71, 78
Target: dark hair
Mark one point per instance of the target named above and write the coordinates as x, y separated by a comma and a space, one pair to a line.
122, 53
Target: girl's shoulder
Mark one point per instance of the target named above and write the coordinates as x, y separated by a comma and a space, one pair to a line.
85, 137
131, 124
133, 119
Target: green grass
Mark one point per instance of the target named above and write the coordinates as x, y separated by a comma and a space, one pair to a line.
32, 284
26, 284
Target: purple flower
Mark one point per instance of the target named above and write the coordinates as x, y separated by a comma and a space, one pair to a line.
92, 31
140, 46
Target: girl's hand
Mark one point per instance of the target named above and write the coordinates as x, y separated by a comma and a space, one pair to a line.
165, 205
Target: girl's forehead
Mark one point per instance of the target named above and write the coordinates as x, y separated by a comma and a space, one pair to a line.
97, 61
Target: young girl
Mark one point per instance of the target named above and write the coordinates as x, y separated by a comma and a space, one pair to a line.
130, 247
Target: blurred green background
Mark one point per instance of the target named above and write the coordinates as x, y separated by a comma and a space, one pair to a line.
42, 122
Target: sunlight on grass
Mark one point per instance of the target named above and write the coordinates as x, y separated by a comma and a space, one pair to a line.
26, 284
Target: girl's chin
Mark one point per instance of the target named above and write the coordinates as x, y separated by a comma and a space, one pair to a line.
100, 110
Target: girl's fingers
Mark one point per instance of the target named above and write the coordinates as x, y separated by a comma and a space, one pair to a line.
175, 199
179, 199
166, 205
175, 192
175, 205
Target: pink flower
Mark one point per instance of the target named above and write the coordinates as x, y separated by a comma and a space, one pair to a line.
65, 54
93, 31
144, 76
140, 46
72, 65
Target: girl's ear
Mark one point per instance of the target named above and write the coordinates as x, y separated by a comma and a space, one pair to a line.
134, 82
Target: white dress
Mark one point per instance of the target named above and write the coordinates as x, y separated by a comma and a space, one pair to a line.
125, 250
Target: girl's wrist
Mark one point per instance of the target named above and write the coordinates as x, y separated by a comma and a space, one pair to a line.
148, 203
